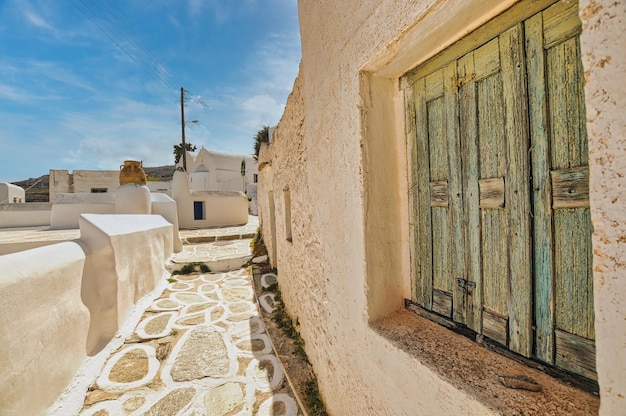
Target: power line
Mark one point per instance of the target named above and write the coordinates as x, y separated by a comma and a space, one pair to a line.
107, 22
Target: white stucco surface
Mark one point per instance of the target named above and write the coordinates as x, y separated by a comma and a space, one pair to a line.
340, 151
132, 198
43, 326
30, 214
67, 208
11, 194
65, 301
165, 206
221, 208
605, 70
126, 257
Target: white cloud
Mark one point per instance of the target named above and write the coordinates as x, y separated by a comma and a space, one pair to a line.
126, 130
38, 21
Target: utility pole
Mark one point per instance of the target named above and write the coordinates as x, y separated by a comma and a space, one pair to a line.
182, 126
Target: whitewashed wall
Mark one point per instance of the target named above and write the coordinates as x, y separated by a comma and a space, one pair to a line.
340, 151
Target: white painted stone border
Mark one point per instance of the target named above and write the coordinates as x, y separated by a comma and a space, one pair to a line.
291, 407
263, 301
141, 332
153, 367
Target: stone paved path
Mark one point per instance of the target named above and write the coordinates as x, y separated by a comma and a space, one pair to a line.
199, 349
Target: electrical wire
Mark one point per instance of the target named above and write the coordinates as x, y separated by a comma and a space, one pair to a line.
110, 25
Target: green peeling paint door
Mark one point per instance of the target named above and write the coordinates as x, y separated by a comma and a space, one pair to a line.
499, 188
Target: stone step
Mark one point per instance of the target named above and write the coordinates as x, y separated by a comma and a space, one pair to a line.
219, 256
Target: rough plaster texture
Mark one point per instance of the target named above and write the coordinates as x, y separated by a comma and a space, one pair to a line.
30, 214
126, 256
132, 198
61, 181
604, 61
43, 326
340, 151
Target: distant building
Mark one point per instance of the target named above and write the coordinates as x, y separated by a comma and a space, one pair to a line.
211, 170
11, 194
82, 181
93, 181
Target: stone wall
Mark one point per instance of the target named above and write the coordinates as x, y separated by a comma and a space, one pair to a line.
82, 181
283, 167
340, 153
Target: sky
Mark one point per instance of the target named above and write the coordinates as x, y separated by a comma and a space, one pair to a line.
87, 84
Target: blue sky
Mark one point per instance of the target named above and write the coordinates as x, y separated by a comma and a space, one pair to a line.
73, 98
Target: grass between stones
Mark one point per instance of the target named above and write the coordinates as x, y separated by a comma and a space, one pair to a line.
192, 268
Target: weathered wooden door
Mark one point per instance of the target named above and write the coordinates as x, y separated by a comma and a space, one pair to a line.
563, 300
494, 136
499, 188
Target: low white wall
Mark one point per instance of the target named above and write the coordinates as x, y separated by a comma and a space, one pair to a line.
66, 216
67, 208
165, 206
126, 256
43, 326
63, 302
30, 214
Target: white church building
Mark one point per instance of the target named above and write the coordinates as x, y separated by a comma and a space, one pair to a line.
212, 170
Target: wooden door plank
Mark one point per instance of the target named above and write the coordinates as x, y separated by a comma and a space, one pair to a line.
495, 326
487, 59
567, 107
573, 271
576, 354
455, 192
491, 192
517, 195
570, 187
573, 279
424, 293
542, 211
561, 22
439, 194
468, 132
409, 126
442, 303
492, 147
518, 12
439, 171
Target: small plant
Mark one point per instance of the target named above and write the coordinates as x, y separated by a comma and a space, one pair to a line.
171, 280
192, 268
257, 238
286, 324
173, 332
271, 288
313, 398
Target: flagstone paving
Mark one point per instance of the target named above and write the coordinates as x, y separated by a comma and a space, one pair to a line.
200, 349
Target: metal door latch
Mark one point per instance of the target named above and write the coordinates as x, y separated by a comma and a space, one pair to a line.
465, 284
